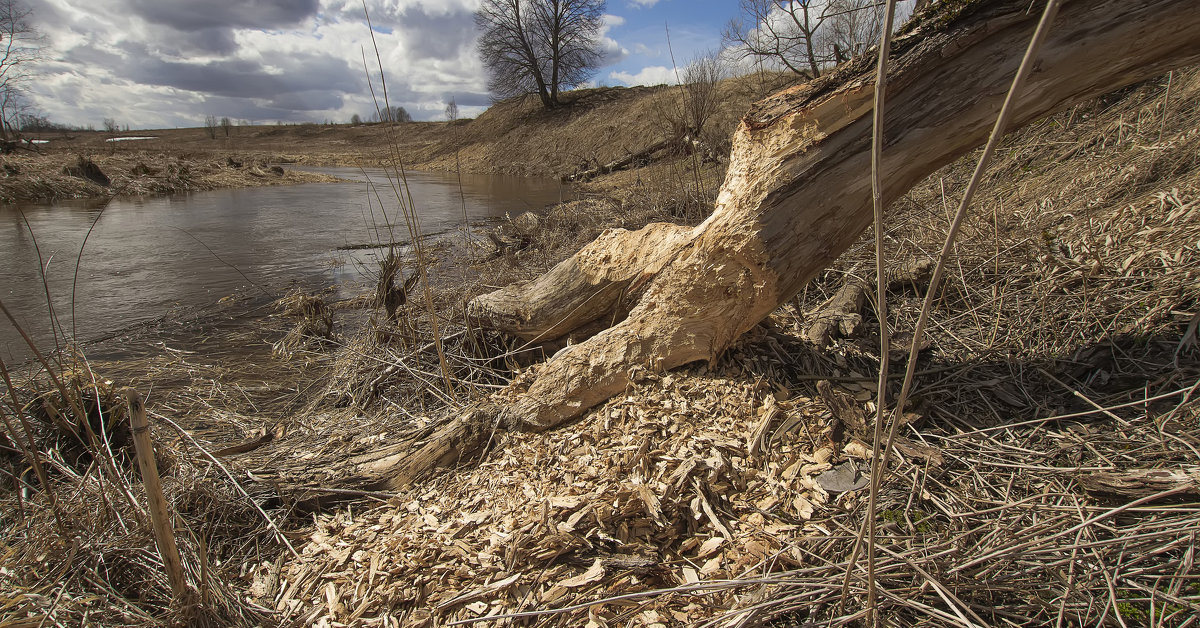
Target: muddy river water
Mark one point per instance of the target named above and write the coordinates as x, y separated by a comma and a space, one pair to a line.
147, 258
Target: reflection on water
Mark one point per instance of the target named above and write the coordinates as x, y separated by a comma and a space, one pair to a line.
148, 257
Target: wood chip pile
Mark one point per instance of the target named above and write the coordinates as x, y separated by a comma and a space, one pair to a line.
668, 487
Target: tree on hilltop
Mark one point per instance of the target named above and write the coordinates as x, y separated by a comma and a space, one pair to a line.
539, 46
394, 113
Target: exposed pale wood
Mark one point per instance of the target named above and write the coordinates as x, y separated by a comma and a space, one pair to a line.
591, 285
160, 516
796, 194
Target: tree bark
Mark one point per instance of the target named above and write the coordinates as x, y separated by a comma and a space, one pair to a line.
797, 192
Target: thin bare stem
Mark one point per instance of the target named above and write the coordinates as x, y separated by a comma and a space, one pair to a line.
1001, 126
885, 46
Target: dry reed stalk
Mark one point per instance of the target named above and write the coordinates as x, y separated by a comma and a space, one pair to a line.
29, 446
403, 195
885, 46
160, 515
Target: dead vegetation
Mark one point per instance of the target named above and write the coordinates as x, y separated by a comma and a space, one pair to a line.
59, 175
1048, 471
77, 546
518, 137
313, 327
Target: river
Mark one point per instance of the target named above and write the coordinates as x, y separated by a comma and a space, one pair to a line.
149, 258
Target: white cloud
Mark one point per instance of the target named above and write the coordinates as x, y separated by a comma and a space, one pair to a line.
644, 50
139, 63
643, 3
611, 52
652, 75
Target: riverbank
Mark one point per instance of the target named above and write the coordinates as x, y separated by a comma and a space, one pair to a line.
593, 128
72, 174
1046, 470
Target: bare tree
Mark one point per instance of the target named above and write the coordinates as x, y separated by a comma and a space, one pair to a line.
210, 125
355, 119
226, 125
805, 36
701, 80
20, 46
451, 110
783, 32
111, 126
14, 106
853, 27
539, 46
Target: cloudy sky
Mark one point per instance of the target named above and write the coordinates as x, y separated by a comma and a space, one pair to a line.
166, 63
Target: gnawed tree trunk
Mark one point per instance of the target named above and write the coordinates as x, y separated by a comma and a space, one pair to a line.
796, 195
797, 192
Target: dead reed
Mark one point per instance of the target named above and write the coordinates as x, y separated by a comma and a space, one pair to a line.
77, 546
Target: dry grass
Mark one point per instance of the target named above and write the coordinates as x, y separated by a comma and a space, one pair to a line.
1063, 349
1072, 290
33, 177
80, 550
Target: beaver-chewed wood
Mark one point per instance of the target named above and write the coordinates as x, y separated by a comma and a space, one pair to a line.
797, 192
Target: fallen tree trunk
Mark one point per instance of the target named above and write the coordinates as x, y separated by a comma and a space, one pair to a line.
622, 162
796, 195
797, 192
